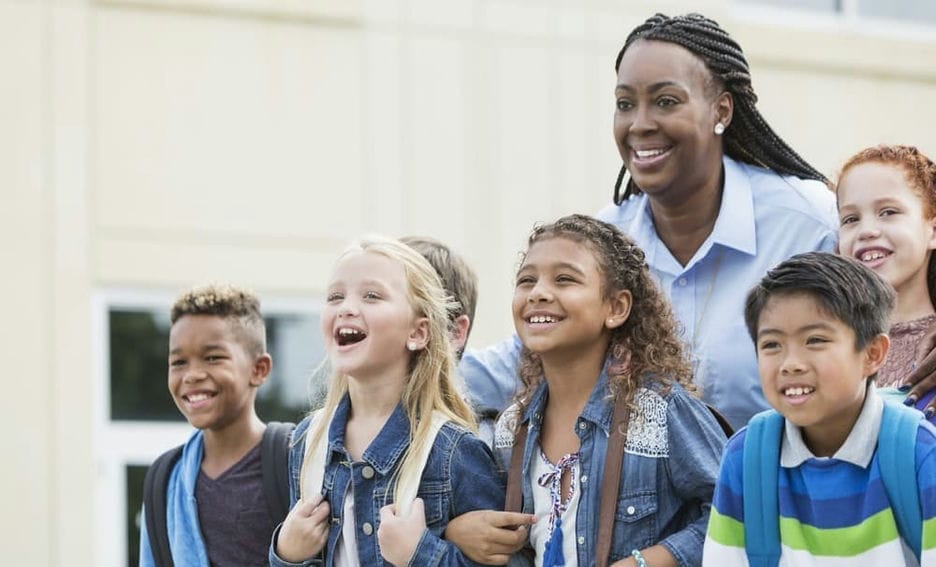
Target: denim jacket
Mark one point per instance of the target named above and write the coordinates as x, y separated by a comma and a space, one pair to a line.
671, 460
460, 476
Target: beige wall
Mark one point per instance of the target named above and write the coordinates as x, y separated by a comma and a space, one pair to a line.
154, 144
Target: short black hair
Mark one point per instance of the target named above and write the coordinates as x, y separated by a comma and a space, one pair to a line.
843, 287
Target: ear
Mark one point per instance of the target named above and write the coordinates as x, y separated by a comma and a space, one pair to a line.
932, 235
419, 334
724, 108
619, 307
459, 333
875, 352
261, 369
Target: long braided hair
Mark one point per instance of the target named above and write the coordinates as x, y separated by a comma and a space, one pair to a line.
749, 138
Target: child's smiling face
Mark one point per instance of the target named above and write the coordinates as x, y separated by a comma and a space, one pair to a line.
810, 370
884, 224
559, 303
213, 378
367, 321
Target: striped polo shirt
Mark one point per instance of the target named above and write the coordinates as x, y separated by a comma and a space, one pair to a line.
834, 510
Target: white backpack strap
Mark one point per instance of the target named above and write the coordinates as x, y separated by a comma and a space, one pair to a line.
312, 472
406, 490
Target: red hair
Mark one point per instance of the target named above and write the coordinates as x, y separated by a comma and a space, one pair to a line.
919, 170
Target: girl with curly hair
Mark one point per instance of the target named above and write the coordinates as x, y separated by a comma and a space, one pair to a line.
603, 372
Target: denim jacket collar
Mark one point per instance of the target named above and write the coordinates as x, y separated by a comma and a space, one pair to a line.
596, 410
384, 451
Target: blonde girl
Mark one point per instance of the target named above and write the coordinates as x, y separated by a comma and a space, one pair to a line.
379, 470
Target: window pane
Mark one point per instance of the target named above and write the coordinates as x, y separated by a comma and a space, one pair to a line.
813, 5
923, 11
139, 345
135, 475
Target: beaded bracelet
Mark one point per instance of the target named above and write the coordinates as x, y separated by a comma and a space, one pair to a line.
639, 558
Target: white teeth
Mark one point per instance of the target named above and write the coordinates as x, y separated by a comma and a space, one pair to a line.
798, 391
197, 397
649, 153
542, 319
871, 255
345, 332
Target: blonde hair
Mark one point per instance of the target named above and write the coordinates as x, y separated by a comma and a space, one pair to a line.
432, 384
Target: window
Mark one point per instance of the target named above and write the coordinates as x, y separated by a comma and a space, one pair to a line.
138, 340
814, 5
921, 11
137, 417
910, 11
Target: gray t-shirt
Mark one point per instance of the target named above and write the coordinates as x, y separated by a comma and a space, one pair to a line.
233, 514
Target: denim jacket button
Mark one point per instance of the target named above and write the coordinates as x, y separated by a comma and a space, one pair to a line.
584, 478
631, 510
582, 425
581, 540
367, 472
367, 528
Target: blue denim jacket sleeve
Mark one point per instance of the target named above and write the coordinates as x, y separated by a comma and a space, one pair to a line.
696, 443
474, 484
296, 454
276, 561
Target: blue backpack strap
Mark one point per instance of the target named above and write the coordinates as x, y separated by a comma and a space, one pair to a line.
760, 472
897, 459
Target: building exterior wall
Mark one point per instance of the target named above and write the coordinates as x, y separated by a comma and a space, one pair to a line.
149, 145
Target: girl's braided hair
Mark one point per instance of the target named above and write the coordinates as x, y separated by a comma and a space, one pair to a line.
647, 344
749, 138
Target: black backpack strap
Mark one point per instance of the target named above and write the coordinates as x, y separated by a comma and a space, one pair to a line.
274, 459
154, 503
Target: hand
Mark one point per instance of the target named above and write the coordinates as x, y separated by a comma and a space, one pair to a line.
398, 536
305, 530
488, 536
923, 377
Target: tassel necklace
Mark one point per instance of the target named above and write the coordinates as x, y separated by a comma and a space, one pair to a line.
552, 481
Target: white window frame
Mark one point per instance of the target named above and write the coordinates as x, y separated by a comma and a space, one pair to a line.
122, 443
847, 20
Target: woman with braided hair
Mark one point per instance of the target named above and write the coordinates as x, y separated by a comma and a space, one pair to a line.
714, 197
712, 194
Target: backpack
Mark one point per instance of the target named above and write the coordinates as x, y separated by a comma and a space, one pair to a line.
274, 459
896, 448
312, 479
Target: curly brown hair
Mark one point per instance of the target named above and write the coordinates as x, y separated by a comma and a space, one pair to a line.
647, 345
920, 173
239, 306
